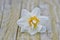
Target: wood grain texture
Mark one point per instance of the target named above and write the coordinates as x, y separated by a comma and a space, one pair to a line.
14, 15
5, 18
45, 12
1, 10
53, 23
10, 12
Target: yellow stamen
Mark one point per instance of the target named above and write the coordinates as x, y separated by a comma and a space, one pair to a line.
33, 21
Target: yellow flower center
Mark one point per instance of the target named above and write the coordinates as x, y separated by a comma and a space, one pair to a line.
33, 21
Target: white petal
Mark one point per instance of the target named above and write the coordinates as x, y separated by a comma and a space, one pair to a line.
25, 28
25, 13
36, 12
39, 27
22, 22
43, 29
43, 20
33, 31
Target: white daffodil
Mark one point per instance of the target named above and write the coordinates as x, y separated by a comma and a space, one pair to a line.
31, 22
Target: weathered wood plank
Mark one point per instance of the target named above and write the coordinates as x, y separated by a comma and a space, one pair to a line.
5, 18
53, 23
9, 26
1, 14
56, 2
58, 20
53, 20
2, 3
11, 34
45, 12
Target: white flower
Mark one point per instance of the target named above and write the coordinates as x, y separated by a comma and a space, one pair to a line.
31, 22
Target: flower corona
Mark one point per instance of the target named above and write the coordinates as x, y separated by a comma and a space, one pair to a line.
33, 21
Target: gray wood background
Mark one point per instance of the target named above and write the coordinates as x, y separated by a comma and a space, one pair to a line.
10, 11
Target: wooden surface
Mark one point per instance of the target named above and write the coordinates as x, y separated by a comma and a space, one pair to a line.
10, 12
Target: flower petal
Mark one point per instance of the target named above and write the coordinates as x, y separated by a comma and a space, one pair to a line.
39, 27
36, 12
43, 29
22, 22
24, 29
25, 13
43, 20
32, 32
